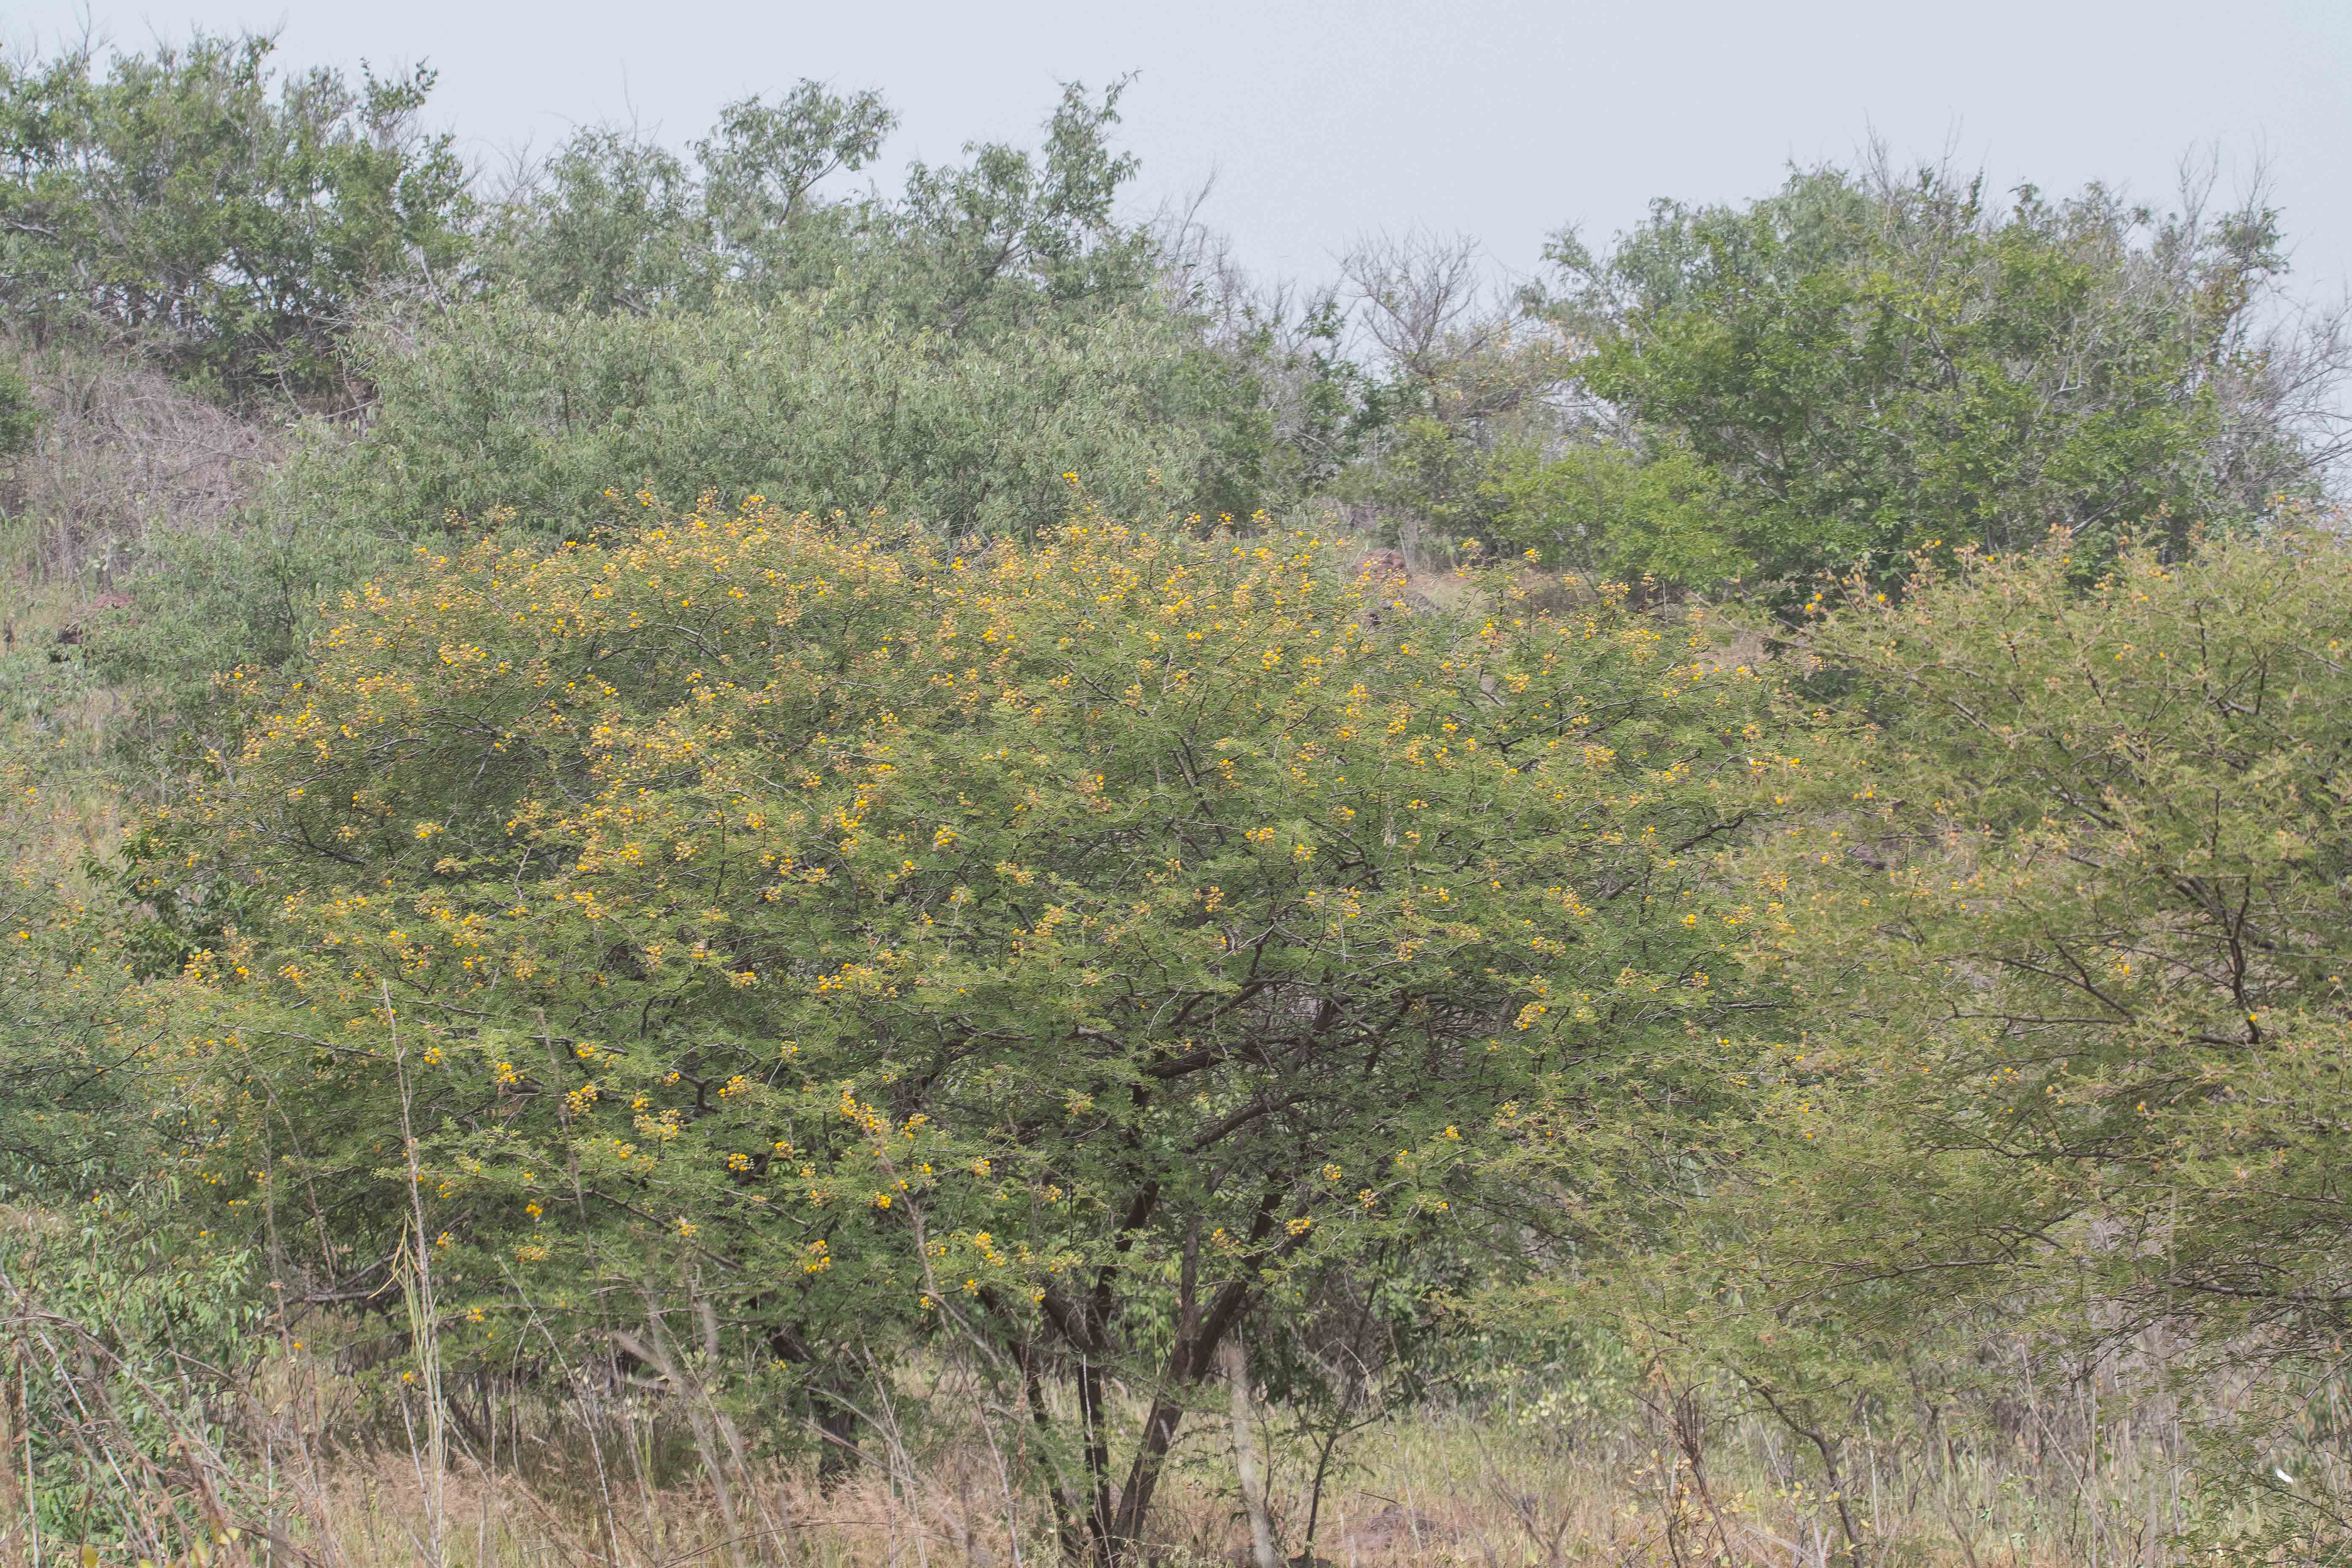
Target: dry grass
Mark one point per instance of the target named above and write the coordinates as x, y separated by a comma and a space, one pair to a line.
123, 451
123, 456
66, 805
614, 1476
1436, 1489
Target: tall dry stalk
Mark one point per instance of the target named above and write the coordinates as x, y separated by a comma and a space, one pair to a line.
416, 1295
658, 1350
1252, 1483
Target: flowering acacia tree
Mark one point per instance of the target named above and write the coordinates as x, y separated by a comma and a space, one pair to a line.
1057, 953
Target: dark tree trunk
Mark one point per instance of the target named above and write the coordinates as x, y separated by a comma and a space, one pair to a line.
836, 1419
1189, 1361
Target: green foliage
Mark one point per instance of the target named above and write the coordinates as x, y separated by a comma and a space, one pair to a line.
995, 242
207, 603
504, 409
1061, 953
614, 221
114, 1330
610, 222
70, 1019
2064, 912
761, 165
995, 246
231, 222
1629, 515
20, 415
1864, 368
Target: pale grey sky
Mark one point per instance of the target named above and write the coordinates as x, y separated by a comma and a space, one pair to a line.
1323, 120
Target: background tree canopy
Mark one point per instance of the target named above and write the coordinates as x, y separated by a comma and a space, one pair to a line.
1863, 365
1872, 370
235, 224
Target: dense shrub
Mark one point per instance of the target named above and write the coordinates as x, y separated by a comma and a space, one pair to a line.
190, 203
1057, 954
537, 416
1859, 365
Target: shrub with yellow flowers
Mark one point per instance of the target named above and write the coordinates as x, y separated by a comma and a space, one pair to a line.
1059, 951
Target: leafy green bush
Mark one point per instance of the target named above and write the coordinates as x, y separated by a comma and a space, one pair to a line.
2067, 916
1855, 367
1054, 955
1000, 243
232, 224
20, 415
121, 1336
502, 410
207, 603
